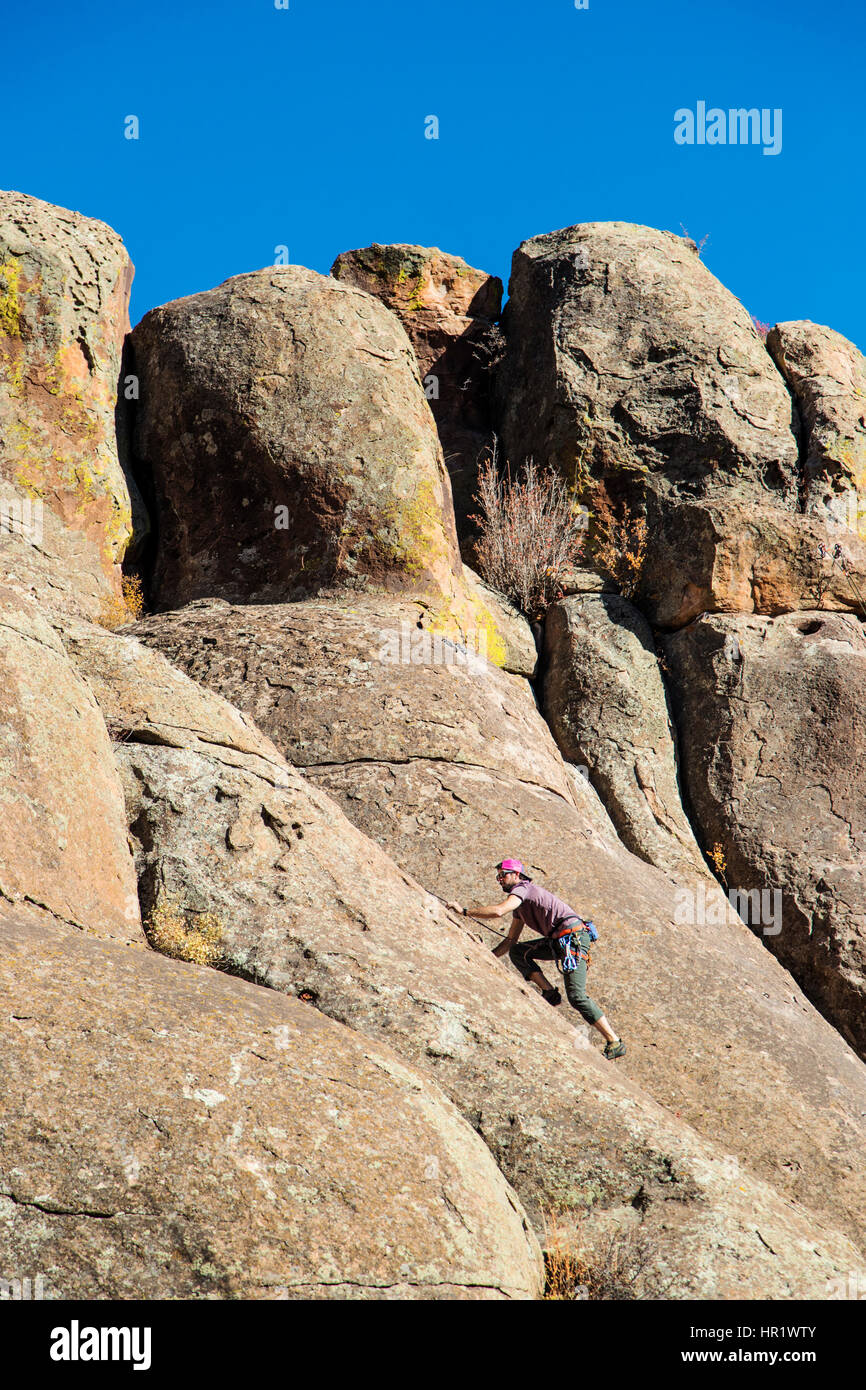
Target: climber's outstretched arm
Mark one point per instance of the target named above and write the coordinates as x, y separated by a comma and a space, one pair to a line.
494, 910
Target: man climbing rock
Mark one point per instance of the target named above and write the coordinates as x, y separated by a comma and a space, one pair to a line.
564, 936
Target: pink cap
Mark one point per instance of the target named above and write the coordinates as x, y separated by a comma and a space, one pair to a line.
513, 866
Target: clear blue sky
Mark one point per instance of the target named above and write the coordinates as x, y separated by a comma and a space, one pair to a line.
304, 127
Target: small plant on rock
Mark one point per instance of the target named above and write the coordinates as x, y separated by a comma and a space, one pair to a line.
531, 530
125, 607
619, 545
184, 935
625, 1268
720, 864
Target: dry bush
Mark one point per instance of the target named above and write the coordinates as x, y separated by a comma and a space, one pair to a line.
169, 930
488, 348
125, 607
626, 1268
567, 1276
619, 545
531, 529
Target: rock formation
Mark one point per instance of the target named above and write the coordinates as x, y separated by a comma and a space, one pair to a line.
226, 832
231, 1143
63, 839
634, 373
624, 350
772, 714
639, 377
289, 445
66, 512
448, 309
605, 703
731, 558
278, 886
827, 378
448, 769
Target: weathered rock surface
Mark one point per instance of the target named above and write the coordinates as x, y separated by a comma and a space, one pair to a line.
448, 309
284, 433
339, 682
63, 838
632, 371
624, 325
65, 508
605, 703
512, 634
447, 808
146, 1103
734, 557
827, 377
772, 718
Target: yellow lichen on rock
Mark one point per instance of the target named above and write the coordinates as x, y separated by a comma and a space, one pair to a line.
416, 538
10, 307
468, 621
175, 931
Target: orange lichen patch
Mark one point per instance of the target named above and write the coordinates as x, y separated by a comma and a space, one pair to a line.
58, 446
74, 369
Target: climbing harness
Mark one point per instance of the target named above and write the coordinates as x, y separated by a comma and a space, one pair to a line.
572, 951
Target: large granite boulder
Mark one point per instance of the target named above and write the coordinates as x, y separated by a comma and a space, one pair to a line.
641, 379
63, 842
448, 309
623, 348
605, 702
169, 1132
772, 719
827, 377
446, 803
66, 514
284, 436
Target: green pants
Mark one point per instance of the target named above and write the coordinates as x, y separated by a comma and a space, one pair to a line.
524, 956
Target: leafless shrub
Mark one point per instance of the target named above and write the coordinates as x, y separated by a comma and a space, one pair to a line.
625, 1269
697, 245
488, 347
531, 529
619, 545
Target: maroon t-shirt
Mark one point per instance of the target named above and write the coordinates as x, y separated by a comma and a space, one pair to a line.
541, 910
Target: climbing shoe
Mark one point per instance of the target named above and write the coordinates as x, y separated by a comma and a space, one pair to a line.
552, 995
614, 1050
